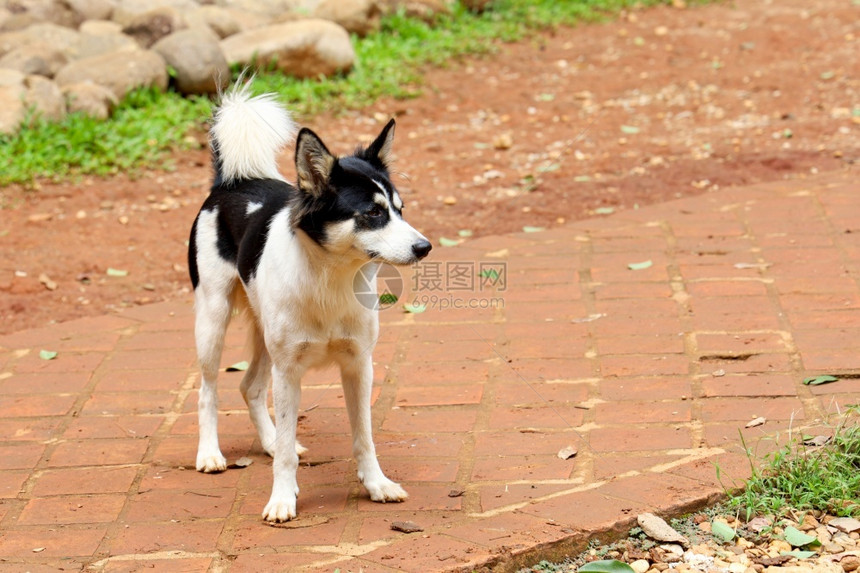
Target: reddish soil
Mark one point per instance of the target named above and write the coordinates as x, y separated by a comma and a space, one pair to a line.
660, 104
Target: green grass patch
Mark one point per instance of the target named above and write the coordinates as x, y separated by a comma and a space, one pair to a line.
800, 476
149, 125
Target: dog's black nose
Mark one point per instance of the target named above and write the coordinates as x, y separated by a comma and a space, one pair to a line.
421, 248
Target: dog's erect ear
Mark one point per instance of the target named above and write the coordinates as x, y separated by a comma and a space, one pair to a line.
380, 149
314, 163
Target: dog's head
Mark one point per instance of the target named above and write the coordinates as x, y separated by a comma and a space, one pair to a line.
349, 206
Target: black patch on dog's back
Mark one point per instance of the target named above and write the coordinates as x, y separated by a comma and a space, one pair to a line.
242, 236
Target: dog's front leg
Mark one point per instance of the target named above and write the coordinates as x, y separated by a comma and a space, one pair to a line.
357, 379
286, 391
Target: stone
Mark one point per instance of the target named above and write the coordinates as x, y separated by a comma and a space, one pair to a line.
12, 40
640, 565
220, 20
268, 8
18, 21
120, 72
59, 37
90, 99
100, 27
305, 48
91, 9
150, 27
59, 13
125, 11
12, 92
197, 60
36, 58
359, 17
426, 10
476, 5
44, 97
97, 44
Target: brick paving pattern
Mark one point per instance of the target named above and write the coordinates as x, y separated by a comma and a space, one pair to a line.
649, 373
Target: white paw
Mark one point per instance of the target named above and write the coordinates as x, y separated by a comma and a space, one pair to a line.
384, 490
300, 449
280, 510
211, 463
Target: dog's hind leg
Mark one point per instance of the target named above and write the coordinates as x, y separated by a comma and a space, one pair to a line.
357, 380
213, 309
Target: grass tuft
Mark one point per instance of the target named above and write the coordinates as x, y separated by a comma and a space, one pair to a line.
149, 125
802, 477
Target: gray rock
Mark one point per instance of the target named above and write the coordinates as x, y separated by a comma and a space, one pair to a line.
357, 16
425, 9
53, 11
45, 98
476, 5
270, 8
120, 72
92, 9
126, 10
196, 57
90, 99
96, 44
219, 20
305, 48
150, 27
12, 92
12, 40
36, 58
59, 37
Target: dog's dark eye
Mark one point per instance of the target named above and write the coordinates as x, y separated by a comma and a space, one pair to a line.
376, 211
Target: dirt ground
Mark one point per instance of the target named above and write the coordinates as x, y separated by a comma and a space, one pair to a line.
660, 104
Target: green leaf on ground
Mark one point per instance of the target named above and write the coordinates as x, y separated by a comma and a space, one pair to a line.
607, 566
414, 308
238, 367
47, 354
816, 380
111, 272
629, 129
465, 232
387, 298
446, 242
530, 229
604, 210
797, 538
640, 266
722, 531
799, 554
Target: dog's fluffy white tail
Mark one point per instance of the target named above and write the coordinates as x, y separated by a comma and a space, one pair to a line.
247, 134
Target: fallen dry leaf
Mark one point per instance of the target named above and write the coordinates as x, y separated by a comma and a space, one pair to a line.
756, 422
655, 528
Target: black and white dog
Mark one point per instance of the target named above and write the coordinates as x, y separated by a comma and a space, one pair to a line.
290, 254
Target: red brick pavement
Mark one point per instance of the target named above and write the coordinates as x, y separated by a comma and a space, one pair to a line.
648, 373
